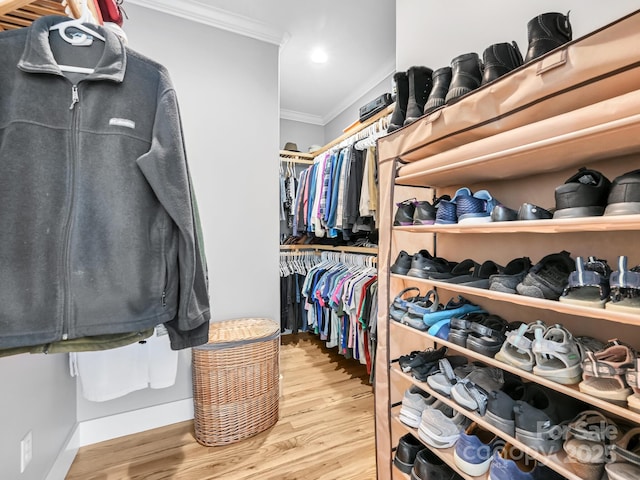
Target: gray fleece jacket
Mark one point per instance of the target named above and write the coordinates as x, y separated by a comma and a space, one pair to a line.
98, 233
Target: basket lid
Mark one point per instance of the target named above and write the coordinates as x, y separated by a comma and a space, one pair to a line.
240, 331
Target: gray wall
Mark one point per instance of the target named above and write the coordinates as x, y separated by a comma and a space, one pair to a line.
38, 395
433, 33
335, 128
300, 133
231, 140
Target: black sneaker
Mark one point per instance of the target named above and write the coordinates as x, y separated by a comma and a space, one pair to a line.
583, 195
417, 359
624, 197
402, 264
548, 278
423, 267
425, 212
404, 213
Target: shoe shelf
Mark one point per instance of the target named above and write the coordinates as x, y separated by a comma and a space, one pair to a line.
445, 454
399, 474
574, 149
557, 461
539, 303
563, 225
570, 390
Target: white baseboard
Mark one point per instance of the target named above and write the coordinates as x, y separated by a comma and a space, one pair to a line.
68, 453
114, 426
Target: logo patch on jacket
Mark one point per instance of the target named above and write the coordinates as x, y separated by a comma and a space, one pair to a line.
122, 122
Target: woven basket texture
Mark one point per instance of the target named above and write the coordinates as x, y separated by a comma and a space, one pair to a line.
236, 381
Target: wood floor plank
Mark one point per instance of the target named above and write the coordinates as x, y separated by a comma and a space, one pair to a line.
325, 432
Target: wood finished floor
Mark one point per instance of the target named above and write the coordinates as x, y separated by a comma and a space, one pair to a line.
325, 432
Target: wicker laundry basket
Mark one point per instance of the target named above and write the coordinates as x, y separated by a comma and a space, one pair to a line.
236, 380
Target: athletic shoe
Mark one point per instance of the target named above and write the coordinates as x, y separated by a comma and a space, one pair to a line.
414, 402
474, 450
583, 195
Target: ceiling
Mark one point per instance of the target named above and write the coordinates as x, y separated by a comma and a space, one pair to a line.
357, 35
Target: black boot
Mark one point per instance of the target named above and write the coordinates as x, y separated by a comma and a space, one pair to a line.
499, 59
441, 81
466, 75
419, 88
546, 32
402, 97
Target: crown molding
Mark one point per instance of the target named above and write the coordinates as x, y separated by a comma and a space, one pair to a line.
301, 117
200, 12
387, 70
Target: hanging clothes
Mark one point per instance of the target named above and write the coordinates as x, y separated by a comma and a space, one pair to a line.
105, 375
335, 292
100, 233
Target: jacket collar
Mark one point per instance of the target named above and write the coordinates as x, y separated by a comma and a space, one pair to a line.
38, 57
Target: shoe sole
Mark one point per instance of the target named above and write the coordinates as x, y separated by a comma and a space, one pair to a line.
633, 402
506, 426
584, 299
619, 397
564, 376
577, 212
474, 220
629, 208
628, 305
532, 440
505, 359
473, 469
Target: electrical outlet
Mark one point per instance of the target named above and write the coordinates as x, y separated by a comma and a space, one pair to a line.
26, 451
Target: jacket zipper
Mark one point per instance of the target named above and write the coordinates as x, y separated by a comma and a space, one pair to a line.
75, 98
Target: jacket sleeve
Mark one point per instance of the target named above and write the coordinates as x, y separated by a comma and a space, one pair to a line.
165, 168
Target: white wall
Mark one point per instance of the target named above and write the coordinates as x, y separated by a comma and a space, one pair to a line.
335, 128
38, 395
433, 33
227, 86
300, 133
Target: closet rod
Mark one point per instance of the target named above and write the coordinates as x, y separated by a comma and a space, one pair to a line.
330, 248
353, 131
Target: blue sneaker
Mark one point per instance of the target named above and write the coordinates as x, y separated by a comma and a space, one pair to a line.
513, 464
476, 208
447, 210
474, 450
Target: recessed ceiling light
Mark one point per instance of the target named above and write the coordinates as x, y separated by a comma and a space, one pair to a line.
319, 56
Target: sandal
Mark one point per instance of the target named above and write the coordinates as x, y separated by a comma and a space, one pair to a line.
604, 372
588, 285
488, 335
625, 288
480, 276
632, 376
558, 355
471, 392
461, 327
465, 267
454, 307
627, 447
517, 348
417, 310
587, 443
399, 306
